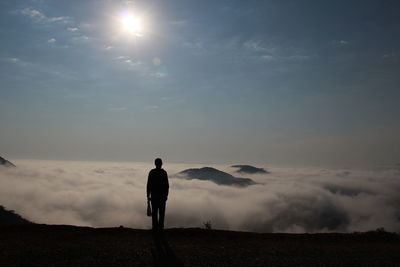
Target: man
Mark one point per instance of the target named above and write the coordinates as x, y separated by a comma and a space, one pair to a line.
157, 193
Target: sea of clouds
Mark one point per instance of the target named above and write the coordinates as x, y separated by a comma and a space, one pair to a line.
103, 194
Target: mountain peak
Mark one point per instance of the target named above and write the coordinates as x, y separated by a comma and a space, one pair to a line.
249, 169
216, 176
6, 163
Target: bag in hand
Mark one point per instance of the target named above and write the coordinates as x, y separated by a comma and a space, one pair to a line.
148, 208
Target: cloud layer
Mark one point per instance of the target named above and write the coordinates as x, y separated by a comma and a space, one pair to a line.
286, 200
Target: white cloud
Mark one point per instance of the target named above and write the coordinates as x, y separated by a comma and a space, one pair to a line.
341, 42
13, 59
268, 57
16, 60
72, 29
287, 58
40, 16
287, 200
33, 13
82, 39
255, 46
52, 40
127, 60
58, 19
274, 52
132, 63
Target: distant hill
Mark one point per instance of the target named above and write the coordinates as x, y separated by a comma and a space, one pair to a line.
216, 176
9, 217
249, 169
6, 163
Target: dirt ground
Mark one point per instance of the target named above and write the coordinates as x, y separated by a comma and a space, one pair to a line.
52, 245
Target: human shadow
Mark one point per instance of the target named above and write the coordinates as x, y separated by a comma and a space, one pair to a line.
162, 253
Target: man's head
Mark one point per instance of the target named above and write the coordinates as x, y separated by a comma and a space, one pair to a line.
158, 163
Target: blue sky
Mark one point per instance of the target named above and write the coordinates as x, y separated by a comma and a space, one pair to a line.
311, 82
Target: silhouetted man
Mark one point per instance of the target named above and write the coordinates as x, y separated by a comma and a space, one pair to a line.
157, 193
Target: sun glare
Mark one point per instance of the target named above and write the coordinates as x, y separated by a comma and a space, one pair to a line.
130, 23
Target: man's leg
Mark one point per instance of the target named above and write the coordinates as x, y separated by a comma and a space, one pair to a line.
154, 213
162, 215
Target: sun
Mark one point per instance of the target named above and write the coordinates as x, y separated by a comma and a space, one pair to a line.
131, 23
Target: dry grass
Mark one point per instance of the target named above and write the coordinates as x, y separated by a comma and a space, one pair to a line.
50, 245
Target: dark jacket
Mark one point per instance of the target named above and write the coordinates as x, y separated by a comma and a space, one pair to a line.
157, 185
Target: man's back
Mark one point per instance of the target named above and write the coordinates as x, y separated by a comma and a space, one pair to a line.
157, 184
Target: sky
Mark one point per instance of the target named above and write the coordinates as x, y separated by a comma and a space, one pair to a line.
293, 82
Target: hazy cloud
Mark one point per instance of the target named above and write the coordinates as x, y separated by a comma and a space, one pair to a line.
178, 22
275, 52
156, 61
390, 58
151, 107
286, 200
194, 45
52, 40
40, 16
118, 108
391, 55
257, 46
158, 74
298, 57
268, 57
341, 42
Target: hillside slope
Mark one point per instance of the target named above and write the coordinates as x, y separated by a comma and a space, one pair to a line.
50, 245
9, 217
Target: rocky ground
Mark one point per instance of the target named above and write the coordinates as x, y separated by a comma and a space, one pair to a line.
51, 245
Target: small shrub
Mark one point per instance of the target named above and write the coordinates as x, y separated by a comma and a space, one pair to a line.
207, 225
381, 230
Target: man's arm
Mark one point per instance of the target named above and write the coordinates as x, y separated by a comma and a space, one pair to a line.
149, 185
167, 185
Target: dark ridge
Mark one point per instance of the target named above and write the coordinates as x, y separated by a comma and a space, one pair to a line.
6, 163
9, 217
249, 169
345, 191
62, 245
216, 176
343, 173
